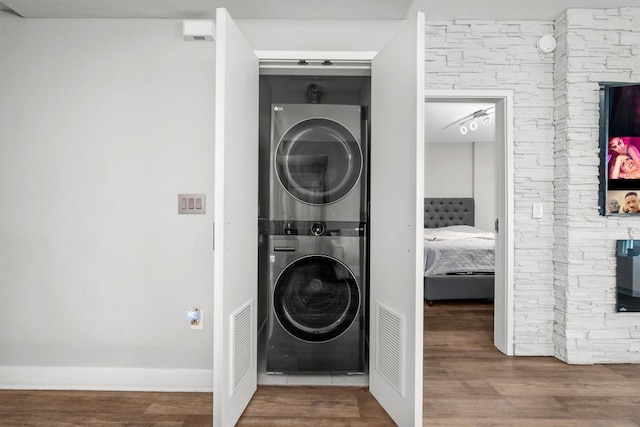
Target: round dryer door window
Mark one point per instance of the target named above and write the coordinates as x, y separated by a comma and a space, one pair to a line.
316, 298
318, 161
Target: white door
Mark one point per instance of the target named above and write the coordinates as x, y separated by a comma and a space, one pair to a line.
397, 193
396, 212
236, 223
503, 307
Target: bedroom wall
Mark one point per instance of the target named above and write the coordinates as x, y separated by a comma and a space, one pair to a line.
463, 170
594, 45
484, 184
448, 170
479, 54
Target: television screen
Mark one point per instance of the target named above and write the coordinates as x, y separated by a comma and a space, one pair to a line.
620, 149
628, 275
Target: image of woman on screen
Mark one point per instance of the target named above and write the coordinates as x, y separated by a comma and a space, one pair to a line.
624, 167
625, 113
623, 145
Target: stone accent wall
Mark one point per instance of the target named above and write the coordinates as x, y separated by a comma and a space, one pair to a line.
472, 55
594, 45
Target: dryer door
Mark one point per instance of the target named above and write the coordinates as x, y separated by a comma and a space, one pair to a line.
316, 298
318, 161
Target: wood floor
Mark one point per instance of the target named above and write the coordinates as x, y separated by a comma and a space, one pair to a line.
467, 382
470, 383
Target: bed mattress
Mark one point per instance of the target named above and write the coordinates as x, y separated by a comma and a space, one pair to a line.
458, 249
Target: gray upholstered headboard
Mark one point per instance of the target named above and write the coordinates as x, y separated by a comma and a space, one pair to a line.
448, 211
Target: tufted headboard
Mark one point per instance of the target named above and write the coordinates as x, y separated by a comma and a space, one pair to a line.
443, 212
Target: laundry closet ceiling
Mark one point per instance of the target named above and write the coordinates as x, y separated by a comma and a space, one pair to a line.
304, 9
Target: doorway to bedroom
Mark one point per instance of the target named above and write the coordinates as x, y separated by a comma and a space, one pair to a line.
468, 156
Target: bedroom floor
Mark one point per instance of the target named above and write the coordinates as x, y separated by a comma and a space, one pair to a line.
467, 382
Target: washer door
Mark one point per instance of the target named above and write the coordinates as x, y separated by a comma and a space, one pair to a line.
318, 161
316, 298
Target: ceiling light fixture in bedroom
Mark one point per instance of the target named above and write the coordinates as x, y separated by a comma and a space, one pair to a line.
469, 122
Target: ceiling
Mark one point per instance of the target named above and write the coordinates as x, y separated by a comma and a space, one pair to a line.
443, 121
201, 9
304, 9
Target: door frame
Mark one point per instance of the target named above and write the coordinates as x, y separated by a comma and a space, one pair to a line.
504, 300
359, 63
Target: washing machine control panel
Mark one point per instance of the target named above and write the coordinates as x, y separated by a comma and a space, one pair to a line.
317, 228
289, 229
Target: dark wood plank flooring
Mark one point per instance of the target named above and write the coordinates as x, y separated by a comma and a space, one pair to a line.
467, 382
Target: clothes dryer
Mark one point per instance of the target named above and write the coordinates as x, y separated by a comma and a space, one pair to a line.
318, 162
316, 320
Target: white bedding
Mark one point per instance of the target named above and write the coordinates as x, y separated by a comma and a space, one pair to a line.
458, 249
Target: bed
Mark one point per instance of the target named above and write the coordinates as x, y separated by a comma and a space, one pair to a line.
459, 258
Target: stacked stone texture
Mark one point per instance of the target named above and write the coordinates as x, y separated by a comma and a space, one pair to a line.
564, 263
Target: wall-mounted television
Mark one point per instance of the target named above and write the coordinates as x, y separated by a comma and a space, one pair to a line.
619, 148
628, 275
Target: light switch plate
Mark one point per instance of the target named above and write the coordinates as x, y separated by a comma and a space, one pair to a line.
191, 203
536, 210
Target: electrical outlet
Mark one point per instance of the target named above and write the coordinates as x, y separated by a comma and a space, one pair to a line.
195, 316
200, 322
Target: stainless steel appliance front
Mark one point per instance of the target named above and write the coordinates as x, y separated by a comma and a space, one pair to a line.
316, 297
318, 162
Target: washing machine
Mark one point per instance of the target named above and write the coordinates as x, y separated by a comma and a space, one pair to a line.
316, 312
318, 162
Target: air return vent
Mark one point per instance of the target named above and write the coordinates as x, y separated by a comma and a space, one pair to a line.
242, 352
390, 345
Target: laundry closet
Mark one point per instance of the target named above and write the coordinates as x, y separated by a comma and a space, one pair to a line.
313, 209
373, 214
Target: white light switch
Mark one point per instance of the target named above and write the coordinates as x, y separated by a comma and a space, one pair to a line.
191, 203
537, 211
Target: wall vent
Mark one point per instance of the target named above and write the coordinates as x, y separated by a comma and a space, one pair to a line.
390, 346
242, 352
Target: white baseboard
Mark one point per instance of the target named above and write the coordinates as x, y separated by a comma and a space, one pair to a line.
117, 379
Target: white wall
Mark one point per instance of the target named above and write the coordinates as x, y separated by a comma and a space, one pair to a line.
448, 170
102, 124
484, 184
481, 54
463, 170
312, 35
594, 45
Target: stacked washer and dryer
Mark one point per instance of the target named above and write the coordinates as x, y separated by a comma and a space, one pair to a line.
316, 317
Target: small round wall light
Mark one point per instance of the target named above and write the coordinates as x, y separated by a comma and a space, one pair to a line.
546, 44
